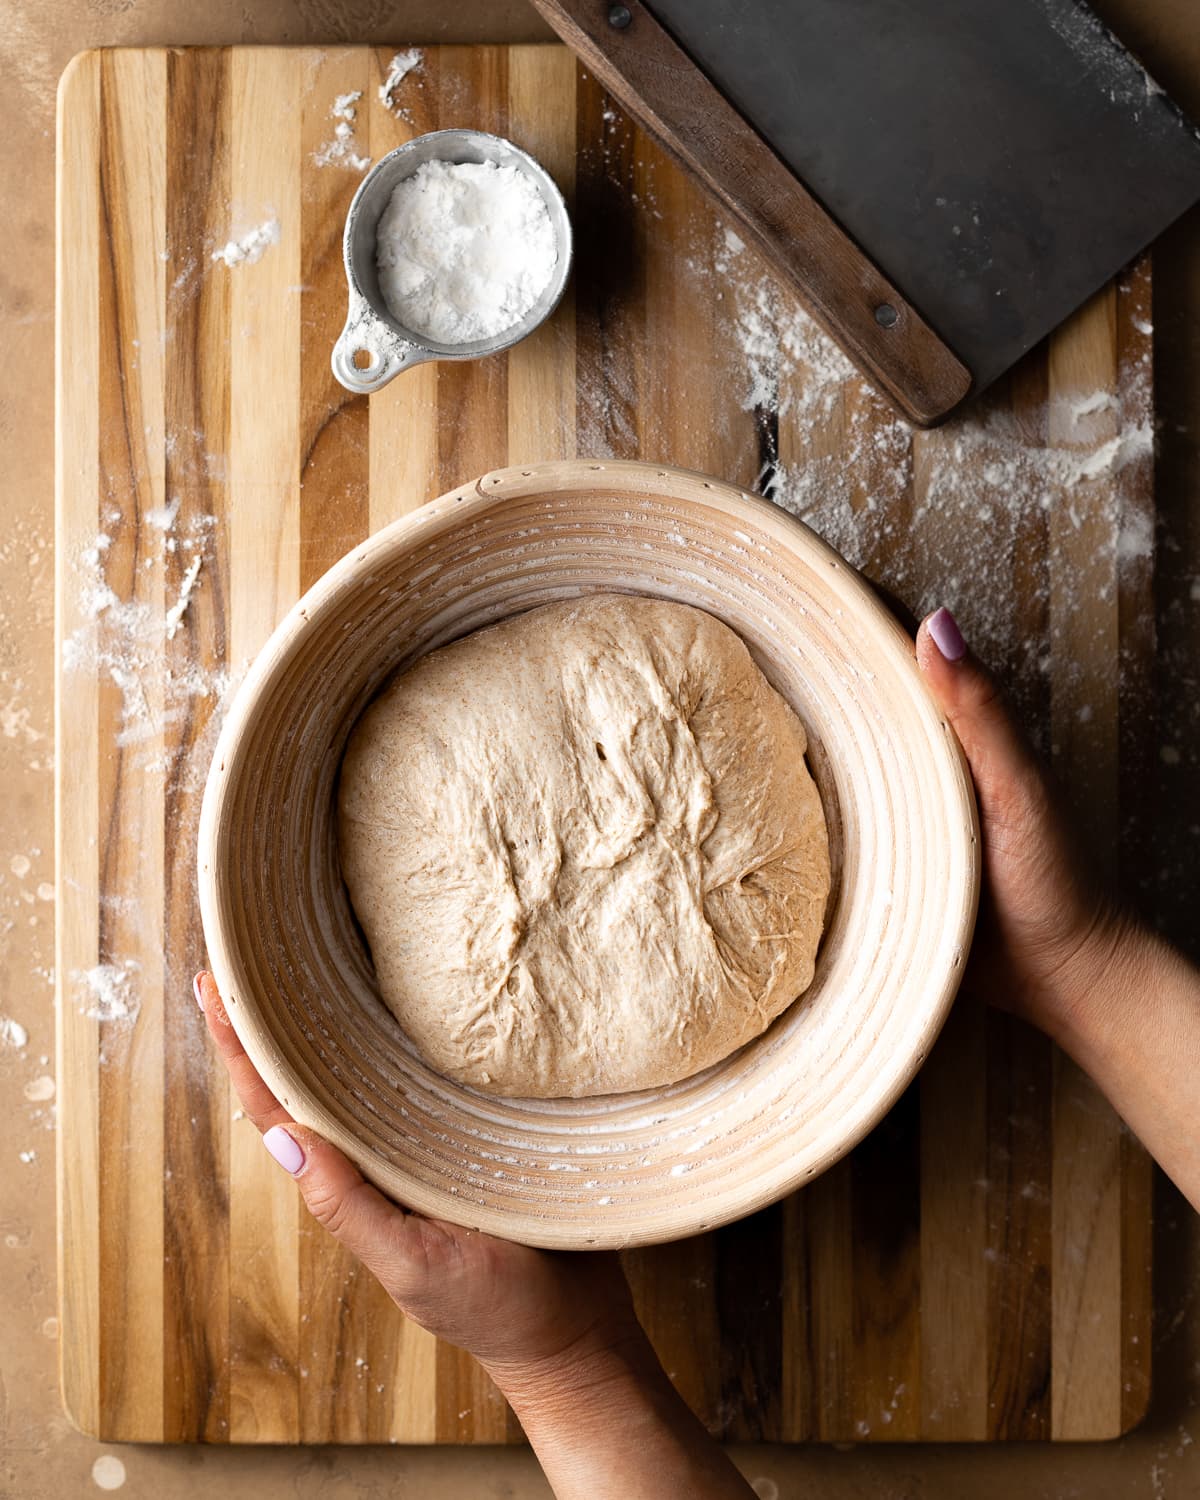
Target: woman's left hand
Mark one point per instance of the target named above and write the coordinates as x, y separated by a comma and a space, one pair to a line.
522, 1313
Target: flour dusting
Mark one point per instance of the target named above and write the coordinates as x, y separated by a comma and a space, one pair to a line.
992, 479
123, 642
344, 106
341, 149
177, 611
251, 246
108, 992
401, 65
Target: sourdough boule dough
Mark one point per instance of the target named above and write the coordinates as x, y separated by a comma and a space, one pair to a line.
585, 849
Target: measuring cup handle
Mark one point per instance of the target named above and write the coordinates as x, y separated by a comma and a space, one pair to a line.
388, 356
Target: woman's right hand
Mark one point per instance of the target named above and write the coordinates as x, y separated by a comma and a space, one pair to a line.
1051, 946
1047, 932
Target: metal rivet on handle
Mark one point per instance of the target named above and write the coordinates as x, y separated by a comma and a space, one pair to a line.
619, 16
886, 315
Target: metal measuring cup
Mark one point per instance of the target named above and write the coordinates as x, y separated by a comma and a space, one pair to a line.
373, 347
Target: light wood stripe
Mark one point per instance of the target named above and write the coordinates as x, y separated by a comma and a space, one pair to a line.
472, 437
955, 1269
541, 369
404, 453
196, 1387
77, 935
1084, 535
132, 482
264, 580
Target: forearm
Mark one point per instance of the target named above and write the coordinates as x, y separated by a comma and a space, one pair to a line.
612, 1427
1131, 1018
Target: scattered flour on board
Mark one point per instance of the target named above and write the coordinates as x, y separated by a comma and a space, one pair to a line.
991, 478
108, 992
123, 638
341, 149
176, 612
251, 246
167, 712
401, 65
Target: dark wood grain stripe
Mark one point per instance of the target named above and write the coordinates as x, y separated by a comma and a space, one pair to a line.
886, 1188
609, 284
334, 456
796, 1351
748, 1257
954, 1197
1138, 869
334, 1296
129, 394
195, 1201
1019, 1077
674, 1293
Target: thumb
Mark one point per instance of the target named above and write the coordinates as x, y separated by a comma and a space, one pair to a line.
1001, 764
384, 1237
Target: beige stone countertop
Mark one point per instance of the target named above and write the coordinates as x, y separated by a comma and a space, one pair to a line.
40, 1453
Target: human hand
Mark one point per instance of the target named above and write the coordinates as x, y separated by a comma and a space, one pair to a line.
1052, 947
1047, 932
529, 1316
556, 1331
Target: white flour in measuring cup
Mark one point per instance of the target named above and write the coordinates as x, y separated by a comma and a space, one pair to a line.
464, 250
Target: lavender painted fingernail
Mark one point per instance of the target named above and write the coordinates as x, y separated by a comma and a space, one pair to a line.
197, 991
284, 1149
946, 636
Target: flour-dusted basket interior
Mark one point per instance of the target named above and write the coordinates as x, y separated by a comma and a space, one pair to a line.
634, 1168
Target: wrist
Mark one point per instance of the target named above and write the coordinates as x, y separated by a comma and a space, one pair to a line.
1087, 1007
602, 1369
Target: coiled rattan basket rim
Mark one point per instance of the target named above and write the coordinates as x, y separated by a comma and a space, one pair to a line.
649, 483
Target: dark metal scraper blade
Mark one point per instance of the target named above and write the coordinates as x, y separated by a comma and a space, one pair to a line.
998, 160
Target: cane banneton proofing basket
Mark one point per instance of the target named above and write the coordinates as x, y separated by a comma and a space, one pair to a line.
634, 1168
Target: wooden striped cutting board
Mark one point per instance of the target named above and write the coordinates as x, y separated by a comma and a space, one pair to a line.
979, 1268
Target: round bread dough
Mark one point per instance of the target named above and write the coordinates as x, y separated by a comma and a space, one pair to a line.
585, 849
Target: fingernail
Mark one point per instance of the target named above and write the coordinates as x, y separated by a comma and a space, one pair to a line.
284, 1149
197, 991
946, 636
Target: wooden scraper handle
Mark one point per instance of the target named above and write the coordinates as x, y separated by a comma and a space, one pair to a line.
656, 82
